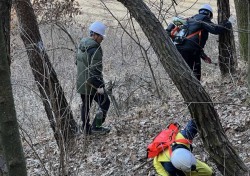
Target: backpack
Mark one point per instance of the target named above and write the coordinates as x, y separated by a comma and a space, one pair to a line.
180, 31
164, 140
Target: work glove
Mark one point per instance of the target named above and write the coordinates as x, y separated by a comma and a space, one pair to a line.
206, 58
100, 90
227, 24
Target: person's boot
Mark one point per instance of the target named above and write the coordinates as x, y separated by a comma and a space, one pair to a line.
100, 130
97, 124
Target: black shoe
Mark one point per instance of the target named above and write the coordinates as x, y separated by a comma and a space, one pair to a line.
100, 130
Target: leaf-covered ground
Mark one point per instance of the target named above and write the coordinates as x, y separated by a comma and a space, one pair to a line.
143, 115
123, 150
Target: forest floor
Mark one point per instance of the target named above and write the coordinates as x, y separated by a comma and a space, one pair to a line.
122, 152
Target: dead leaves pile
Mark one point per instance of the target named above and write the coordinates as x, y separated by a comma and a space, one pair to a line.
123, 150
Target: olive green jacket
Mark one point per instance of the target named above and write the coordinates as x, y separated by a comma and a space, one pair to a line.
89, 67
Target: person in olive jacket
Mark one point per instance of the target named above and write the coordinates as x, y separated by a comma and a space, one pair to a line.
90, 83
199, 26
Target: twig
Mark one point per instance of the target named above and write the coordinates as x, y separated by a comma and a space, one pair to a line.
143, 164
32, 148
66, 32
142, 49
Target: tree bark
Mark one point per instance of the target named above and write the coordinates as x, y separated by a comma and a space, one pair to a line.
248, 53
9, 133
241, 11
199, 102
58, 110
227, 52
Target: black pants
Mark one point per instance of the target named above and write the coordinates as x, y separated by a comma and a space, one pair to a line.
193, 60
103, 102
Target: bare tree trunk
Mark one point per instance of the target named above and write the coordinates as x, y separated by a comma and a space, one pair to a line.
54, 101
3, 164
9, 133
241, 11
227, 52
200, 104
248, 72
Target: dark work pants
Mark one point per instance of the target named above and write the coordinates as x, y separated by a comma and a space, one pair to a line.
193, 60
103, 102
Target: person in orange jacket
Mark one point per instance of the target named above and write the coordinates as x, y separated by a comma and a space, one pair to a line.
181, 162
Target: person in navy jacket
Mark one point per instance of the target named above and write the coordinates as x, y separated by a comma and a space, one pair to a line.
191, 49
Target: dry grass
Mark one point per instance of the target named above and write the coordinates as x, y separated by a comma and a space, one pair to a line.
121, 152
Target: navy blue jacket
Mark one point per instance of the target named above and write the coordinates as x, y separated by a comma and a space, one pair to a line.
196, 23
